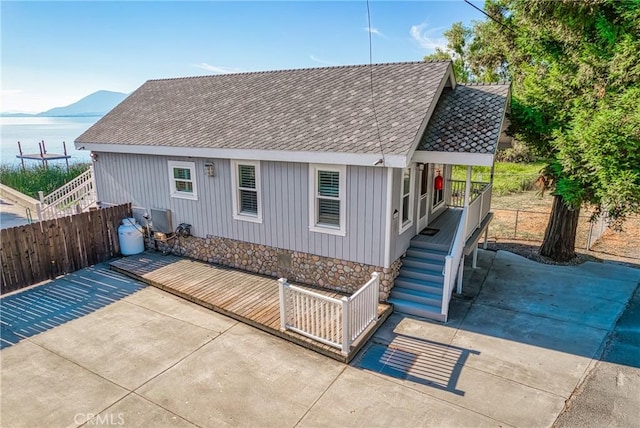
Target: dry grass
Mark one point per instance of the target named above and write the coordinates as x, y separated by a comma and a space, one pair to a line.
532, 213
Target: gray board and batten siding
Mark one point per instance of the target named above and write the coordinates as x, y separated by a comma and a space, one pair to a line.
144, 181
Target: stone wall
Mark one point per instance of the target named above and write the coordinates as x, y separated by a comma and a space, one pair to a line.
334, 274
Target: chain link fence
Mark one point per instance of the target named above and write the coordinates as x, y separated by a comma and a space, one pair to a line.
523, 225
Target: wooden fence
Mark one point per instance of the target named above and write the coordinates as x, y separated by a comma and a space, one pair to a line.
47, 249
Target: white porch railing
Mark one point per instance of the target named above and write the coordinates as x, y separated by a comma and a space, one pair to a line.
72, 198
470, 219
457, 191
452, 263
334, 322
478, 209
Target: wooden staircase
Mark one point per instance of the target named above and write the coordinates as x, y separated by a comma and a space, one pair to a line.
419, 286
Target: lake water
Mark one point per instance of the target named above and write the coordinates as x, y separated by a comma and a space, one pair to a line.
53, 130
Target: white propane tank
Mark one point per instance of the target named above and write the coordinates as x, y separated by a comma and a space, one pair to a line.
130, 237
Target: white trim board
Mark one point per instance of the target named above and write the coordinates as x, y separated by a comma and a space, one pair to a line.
329, 158
453, 158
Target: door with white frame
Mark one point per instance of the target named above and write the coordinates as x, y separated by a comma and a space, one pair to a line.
423, 197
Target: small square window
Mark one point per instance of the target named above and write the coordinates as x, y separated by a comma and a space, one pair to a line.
182, 180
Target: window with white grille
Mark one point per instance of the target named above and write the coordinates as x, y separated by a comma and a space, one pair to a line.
327, 199
406, 207
246, 190
182, 180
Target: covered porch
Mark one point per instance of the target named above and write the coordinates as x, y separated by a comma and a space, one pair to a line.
466, 204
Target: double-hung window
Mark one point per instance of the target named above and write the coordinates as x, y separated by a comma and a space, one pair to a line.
245, 179
182, 180
406, 207
327, 211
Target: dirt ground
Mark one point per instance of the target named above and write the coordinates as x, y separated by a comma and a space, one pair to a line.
520, 221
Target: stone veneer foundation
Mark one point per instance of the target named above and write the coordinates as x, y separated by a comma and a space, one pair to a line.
334, 274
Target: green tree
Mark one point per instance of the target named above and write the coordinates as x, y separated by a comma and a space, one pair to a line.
458, 37
575, 71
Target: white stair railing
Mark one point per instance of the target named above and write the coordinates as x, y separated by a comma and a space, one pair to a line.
72, 198
334, 322
452, 263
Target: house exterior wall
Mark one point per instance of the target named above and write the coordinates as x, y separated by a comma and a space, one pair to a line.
144, 181
400, 241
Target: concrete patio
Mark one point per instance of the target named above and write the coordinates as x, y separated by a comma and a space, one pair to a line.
518, 344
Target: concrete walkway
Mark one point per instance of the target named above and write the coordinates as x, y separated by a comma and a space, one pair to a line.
516, 348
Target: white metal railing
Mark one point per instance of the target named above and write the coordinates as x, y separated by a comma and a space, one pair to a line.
334, 322
458, 188
72, 198
452, 262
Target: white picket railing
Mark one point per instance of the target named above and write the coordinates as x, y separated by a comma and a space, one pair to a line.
452, 263
334, 322
478, 209
458, 188
72, 198
470, 219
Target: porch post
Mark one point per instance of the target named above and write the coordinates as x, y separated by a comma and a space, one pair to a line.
467, 200
460, 273
467, 188
475, 257
493, 168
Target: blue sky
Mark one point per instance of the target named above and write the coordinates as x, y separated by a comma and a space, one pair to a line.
54, 53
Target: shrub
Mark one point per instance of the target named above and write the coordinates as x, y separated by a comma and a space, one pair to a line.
38, 177
519, 153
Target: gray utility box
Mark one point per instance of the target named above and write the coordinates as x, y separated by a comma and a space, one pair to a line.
161, 220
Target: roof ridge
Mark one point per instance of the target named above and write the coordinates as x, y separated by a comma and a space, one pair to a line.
502, 82
242, 73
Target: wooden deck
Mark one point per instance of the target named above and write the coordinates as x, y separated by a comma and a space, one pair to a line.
247, 297
447, 222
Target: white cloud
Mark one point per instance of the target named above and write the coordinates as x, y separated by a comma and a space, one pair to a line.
426, 38
217, 69
374, 30
318, 60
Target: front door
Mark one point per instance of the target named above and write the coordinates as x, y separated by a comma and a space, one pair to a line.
423, 198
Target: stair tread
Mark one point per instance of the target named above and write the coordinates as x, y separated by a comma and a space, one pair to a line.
424, 260
421, 270
419, 306
416, 293
419, 281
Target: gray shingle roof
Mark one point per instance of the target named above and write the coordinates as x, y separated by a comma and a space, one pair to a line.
467, 119
311, 110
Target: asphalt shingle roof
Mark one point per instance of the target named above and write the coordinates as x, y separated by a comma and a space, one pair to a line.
311, 110
467, 119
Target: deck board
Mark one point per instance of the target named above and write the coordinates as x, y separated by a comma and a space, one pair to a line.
248, 297
447, 222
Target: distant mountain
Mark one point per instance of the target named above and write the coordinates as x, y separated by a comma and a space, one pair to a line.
97, 104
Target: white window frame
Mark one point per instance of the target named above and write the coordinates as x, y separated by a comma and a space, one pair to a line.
412, 180
235, 191
314, 226
175, 193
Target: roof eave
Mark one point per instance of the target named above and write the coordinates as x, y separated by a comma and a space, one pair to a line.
331, 158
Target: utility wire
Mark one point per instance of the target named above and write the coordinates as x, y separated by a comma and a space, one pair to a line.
373, 103
489, 16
